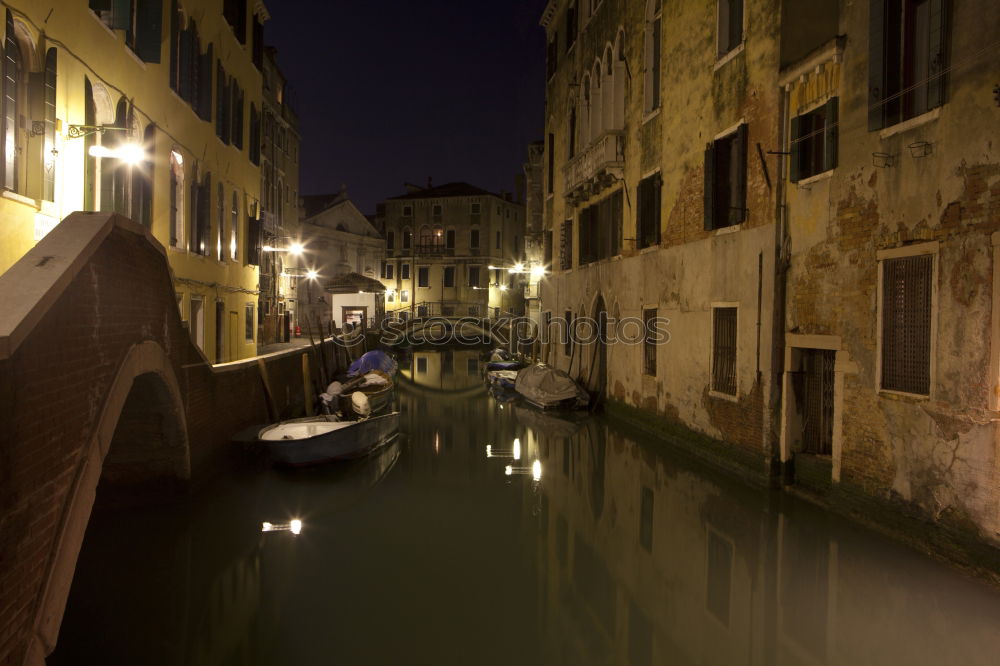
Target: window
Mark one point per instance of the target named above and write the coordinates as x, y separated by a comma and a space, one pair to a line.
725, 180
407, 239
474, 239
390, 296
648, 213
724, 350
646, 518
235, 13
552, 56
907, 59
568, 342
730, 25
13, 73
436, 212
49, 134
248, 321
571, 133
389, 271
570, 26
473, 276
907, 285
447, 362
176, 199
404, 296
404, 272
551, 154
475, 212
449, 239
449, 276
390, 240
423, 276
600, 229
498, 240
422, 365
472, 367
814, 141
649, 344
566, 246
407, 211
141, 181
652, 46
254, 135
141, 21
234, 228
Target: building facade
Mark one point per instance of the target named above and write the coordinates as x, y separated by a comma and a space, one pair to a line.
280, 212
658, 208
453, 250
145, 110
339, 241
809, 193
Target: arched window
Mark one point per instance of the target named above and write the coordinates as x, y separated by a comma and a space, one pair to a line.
584, 128
13, 75
114, 195
597, 105
571, 132
426, 237
176, 199
608, 93
234, 228
621, 80
142, 180
651, 59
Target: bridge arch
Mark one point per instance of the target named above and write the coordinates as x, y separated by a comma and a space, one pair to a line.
140, 437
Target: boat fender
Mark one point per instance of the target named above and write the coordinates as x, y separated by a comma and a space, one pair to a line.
359, 401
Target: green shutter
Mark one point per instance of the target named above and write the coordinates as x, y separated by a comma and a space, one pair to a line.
121, 15
795, 161
220, 77
204, 106
185, 65
937, 52
876, 64
831, 134
710, 187
148, 26
657, 207
740, 191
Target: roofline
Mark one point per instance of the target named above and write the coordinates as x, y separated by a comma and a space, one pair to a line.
548, 13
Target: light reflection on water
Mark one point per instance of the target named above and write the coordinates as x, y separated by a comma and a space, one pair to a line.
430, 553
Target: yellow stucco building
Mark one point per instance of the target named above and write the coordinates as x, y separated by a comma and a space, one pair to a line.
148, 108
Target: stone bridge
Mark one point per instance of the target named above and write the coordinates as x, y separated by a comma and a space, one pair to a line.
100, 384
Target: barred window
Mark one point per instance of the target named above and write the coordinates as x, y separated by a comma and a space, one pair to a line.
906, 324
649, 344
648, 214
566, 246
724, 350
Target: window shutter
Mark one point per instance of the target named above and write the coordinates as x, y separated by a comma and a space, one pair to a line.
149, 26
186, 65
831, 134
938, 52
204, 214
710, 187
795, 166
640, 208
220, 77
657, 199
740, 189
174, 38
876, 64
121, 15
205, 84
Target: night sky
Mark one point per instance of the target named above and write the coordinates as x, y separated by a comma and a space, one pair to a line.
393, 91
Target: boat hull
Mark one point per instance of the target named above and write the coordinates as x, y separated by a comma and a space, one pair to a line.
346, 443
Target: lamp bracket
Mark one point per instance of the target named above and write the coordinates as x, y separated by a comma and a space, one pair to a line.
78, 131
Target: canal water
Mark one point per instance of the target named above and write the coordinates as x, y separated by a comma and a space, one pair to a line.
434, 552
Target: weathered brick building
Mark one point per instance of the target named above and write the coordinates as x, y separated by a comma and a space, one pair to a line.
810, 192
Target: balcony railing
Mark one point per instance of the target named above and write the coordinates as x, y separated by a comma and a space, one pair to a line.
433, 249
604, 156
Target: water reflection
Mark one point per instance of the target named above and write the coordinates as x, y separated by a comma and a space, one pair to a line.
605, 552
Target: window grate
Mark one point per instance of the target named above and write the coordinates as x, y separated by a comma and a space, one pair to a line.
724, 350
906, 324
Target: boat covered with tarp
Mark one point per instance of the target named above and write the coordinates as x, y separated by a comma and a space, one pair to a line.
550, 388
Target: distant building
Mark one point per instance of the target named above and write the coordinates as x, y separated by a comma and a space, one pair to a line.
279, 204
538, 263
450, 252
339, 241
151, 110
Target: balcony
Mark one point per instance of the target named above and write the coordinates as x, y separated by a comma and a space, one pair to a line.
433, 250
596, 167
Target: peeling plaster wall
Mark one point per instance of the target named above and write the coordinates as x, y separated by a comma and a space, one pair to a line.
936, 453
691, 268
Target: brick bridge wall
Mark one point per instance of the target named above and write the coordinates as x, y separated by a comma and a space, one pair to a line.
99, 381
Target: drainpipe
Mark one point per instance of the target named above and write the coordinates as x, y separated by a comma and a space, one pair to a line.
772, 404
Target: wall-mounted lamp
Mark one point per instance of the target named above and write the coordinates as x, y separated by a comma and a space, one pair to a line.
882, 160
130, 153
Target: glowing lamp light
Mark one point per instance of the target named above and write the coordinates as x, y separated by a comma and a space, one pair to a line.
538, 272
489, 451
296, 248
267, 527
390, 292
508, 470
503, 287
519, 267
536, 470
312, 275
130, 153
517, 449
295, 527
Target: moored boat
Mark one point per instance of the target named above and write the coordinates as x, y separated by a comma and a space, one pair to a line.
319, 439
546, 387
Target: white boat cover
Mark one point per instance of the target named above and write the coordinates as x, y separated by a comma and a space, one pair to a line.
283, 431
547, 386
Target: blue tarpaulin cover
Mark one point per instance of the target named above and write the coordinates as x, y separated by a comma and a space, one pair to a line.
373, 360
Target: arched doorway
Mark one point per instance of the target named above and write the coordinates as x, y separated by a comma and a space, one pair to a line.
597, 373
